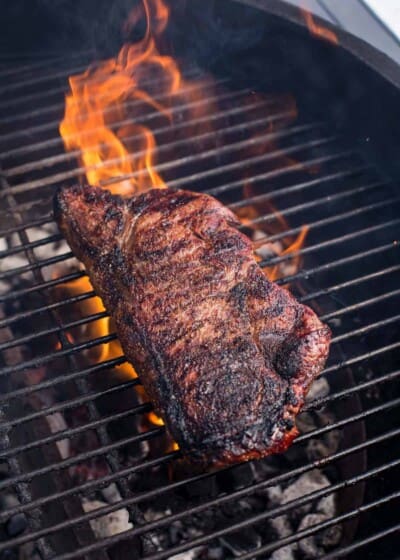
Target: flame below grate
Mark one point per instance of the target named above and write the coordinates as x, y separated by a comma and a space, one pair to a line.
78, 443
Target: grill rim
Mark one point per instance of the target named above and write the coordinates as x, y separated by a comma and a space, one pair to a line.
375, 59
155, 556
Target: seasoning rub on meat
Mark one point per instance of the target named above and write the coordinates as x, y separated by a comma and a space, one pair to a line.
226, 356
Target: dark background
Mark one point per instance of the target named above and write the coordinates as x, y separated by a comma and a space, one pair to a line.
37, 26
318, 75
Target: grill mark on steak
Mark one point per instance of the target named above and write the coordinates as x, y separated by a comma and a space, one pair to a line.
226, 356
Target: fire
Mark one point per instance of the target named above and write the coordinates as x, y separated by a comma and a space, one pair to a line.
97, 329
318, 30
94, 329
111, 93
260, 233
103, 124
275, 272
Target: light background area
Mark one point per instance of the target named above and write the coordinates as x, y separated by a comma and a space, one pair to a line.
375, 21
388, 11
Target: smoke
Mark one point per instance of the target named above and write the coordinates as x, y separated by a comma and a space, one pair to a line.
210, 30
63, 25
199, 28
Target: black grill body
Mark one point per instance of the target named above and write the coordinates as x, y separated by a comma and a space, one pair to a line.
71, 427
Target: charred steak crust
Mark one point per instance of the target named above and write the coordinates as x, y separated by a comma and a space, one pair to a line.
226, 356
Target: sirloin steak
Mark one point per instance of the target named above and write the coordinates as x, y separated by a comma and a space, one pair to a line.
226, 356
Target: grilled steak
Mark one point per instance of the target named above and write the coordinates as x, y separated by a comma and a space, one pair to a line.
226, 356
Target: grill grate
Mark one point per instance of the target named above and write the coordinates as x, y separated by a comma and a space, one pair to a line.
349, 275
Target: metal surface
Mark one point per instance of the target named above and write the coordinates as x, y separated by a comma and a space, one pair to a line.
349, 274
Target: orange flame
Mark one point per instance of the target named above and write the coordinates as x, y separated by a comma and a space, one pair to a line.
112, 93
287, 244
103, 122
318, 30
107, 351
293, 249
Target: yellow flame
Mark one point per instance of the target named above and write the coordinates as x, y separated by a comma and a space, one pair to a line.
100, 97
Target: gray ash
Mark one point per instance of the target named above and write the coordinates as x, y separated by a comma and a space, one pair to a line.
266, 531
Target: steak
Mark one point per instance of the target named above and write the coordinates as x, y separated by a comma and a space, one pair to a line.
226, 356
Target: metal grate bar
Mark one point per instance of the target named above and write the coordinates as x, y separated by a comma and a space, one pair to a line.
314, 295
233, 147
271, 513
72, 349
22, 490
30, 245
95, 453
279, 192
118, 361
263, 158
349, 391
371, 506
266, 176
158, 431
27, 225
234, 527
335, 241
73, 403
40, 203
70, 432
176, 144
190, 73
298, 186
38, 265
316, 202
146, 407
183, 182
91, 294
332, 219
68, 351
23, 69
34, 66
272, 261
31, 313
69, 255
14, 85
108, 364
360, 305
309, 273
24, 497
52, 330
348, 283
71, 155
342, 552
42, 95
57, 141
366, 329
21, 487
53, 125
270, 238
379, 409
362, 357
92, 485
225, 498
138, 409
97, 484
42, 285
68, 377
33, 97
100, 315
229, 129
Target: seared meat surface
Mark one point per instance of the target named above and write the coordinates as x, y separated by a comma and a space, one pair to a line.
226, 356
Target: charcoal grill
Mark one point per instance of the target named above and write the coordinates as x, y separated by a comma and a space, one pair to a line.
341, 181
